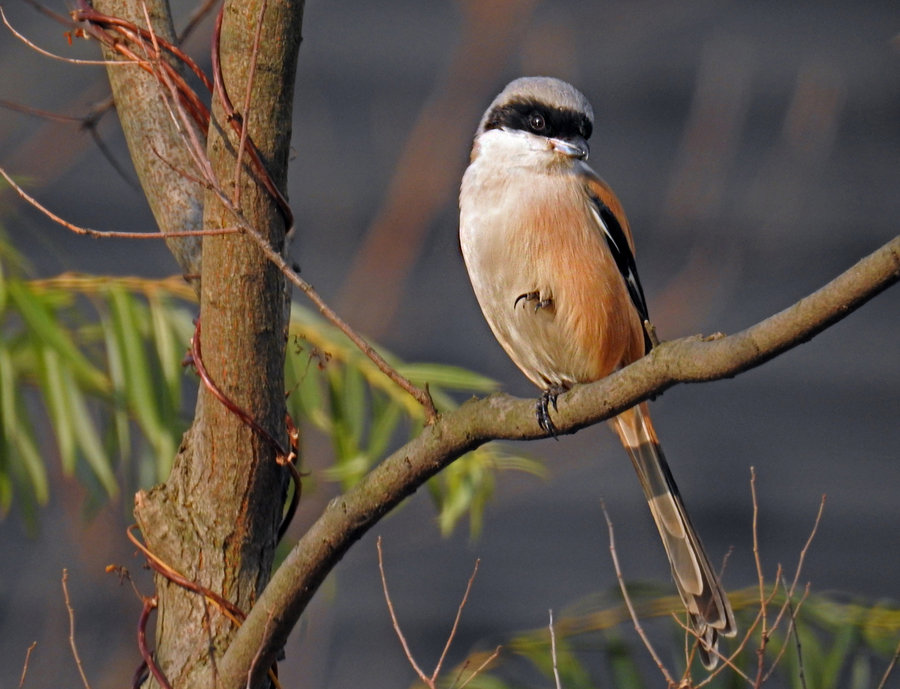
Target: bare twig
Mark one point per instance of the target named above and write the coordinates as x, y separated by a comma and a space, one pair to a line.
25, 665
104, 233
553, 653
802, 558
397, 630
431, 681
794, 611
197, 16
459, 610
229, 609
72, 644
234, 119
272, 675
46, 53
634, 618
477, 671
890, 668
245, 112
422, 396
284, 457
791, 631
149, 660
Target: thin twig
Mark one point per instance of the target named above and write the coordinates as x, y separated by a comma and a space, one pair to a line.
272, 675
802, 558
25, 665
108, 233
54, 56
634, 618
397, 630
459, 610
229, 609
792, 630
149, 606
234, 119
422, 396
72, 644
477, 671
553, 653
763, 618
196, 17
890, 668
727, 662
245, 112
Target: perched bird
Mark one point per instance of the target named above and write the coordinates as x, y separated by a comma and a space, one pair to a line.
551, 259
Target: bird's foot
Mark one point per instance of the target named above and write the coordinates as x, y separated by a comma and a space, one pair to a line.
535, 297
542, 408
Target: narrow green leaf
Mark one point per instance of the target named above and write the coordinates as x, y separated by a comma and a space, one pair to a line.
18, 433
341, 437
45, 327
139, 387
168, 348
117, 373
622, 664
861, 672
845, 640
444, 375
304, 380
55, 378
386, 418
4, 298
89, 441
353, 402
6, 491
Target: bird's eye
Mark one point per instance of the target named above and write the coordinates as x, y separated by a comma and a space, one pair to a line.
537, 123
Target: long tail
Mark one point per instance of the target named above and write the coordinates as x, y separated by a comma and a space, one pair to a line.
696, 580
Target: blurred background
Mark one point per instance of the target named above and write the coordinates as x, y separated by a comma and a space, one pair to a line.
755, 147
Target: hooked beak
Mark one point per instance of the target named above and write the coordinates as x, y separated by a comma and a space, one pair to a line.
576, 147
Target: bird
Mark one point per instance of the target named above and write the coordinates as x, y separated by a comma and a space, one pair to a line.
550, 256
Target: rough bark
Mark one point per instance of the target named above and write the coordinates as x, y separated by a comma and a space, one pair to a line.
215, 519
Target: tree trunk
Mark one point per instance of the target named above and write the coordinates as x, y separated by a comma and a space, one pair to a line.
216, 518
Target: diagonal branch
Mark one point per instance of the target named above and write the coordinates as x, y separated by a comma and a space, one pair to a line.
691, 359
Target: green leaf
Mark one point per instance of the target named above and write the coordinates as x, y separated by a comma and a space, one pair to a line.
170, 348
386, 419
140, 391
304, 381
55, 378
46, 329
622, 664
354, 405
444, 375
89, 441
17, 432
845, 639
117, 372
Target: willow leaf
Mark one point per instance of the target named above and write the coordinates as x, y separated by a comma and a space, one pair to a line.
18, 433
46, 329
54, 379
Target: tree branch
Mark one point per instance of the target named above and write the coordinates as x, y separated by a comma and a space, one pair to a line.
156, 146
691, 359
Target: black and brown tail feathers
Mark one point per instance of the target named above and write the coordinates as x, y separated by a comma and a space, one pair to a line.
703, 596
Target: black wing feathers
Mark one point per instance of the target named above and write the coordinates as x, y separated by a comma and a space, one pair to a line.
621, 251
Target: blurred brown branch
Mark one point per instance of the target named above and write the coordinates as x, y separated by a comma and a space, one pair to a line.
427, 174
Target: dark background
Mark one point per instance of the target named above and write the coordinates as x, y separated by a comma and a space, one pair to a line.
755, 148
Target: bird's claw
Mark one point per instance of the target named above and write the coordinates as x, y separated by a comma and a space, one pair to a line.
535, 297
542, 409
